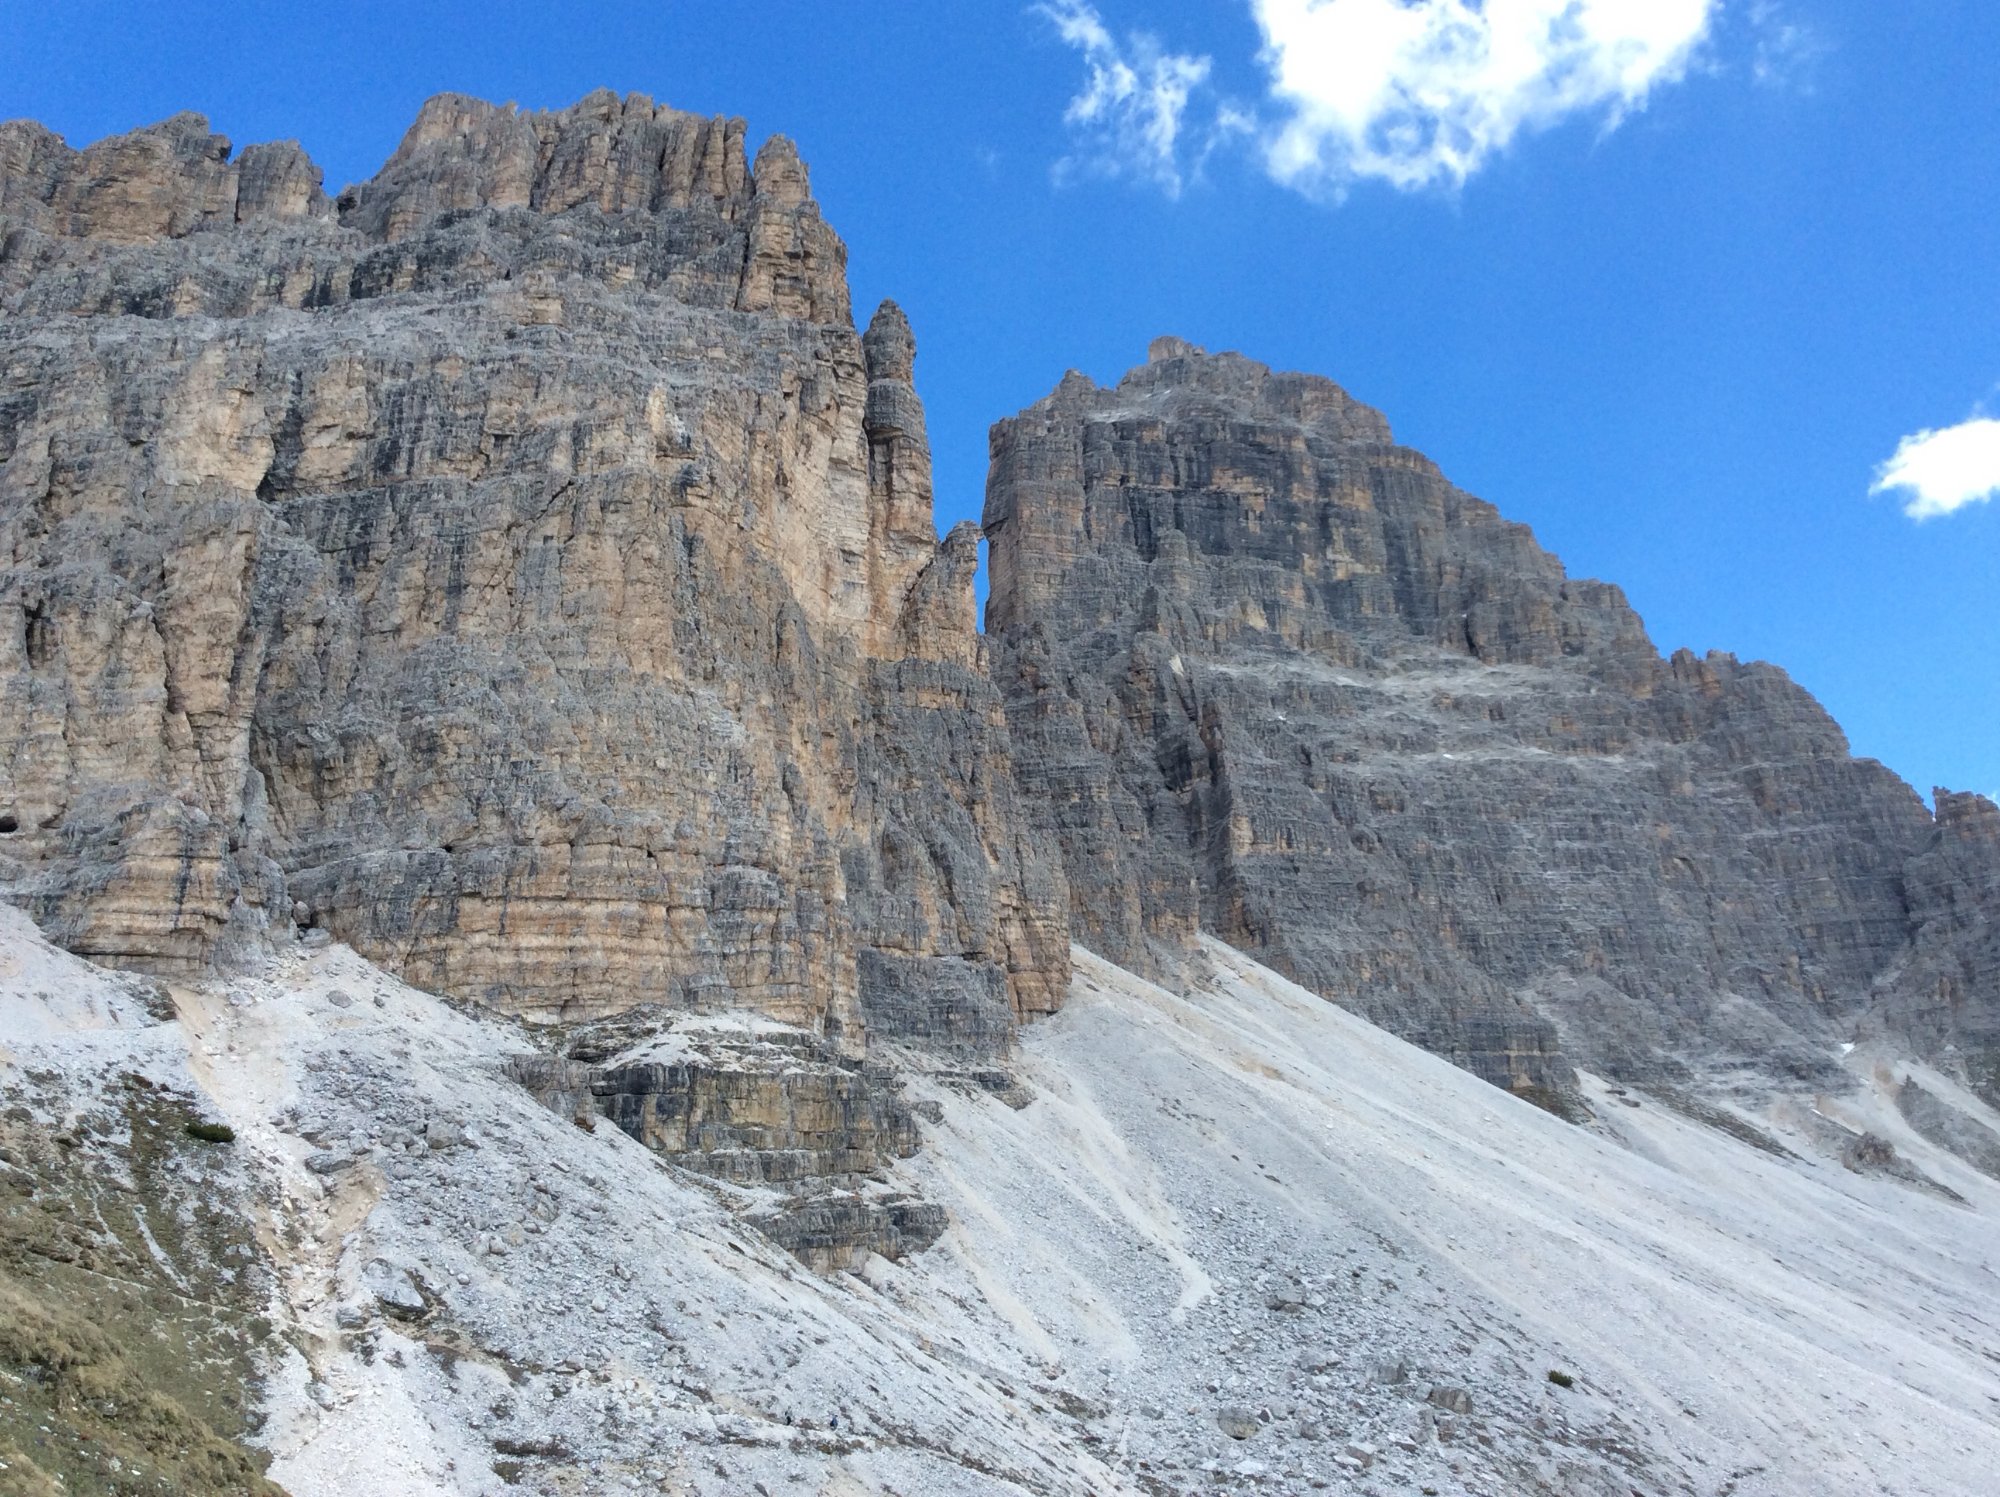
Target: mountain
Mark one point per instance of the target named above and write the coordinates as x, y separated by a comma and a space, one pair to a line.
519, 566
1281, 681
578, 966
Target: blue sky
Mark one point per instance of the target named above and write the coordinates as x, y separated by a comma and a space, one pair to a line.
1671, 281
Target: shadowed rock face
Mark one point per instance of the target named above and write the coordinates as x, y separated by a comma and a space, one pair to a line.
1947, 992
518, 566
1277, 678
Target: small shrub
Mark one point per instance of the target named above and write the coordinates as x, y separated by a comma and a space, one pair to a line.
1561, 1379
212, 1133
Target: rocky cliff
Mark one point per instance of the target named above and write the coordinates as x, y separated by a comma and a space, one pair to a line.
1944, 991
518, 567
521, 567
1279, 679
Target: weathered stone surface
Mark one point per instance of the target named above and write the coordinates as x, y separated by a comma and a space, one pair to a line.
1451, 1399
1946, 993
1871, 1154
756, 1104
394, 1289
798, 1116
945, 1005
838, 1230
1950, 1128
521, 569
1238, 1422
1276, 677
779, 1101
163, 182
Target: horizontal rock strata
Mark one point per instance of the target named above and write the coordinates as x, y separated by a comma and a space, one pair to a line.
761, 1106
518, 566
1277, 678
1946, 990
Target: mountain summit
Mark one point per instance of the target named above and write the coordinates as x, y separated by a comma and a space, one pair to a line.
1281, 681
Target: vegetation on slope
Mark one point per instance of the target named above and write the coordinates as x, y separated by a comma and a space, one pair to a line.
129, 1292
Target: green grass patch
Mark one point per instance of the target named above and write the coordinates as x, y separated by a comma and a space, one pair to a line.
130, 1286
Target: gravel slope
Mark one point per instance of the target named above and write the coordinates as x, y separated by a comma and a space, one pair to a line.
1734, 1321
1238, 1240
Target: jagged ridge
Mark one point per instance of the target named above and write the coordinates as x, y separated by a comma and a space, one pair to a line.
519, 567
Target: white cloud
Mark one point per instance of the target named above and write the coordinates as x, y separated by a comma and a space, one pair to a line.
1416, 93
1132, 111
1943, 471
1784, 52
1420, 93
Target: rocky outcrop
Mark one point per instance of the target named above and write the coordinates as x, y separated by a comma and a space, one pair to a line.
1279, 679
519, 567
837, 1231
769, 1105
765, 1107
1950, 1128
1947, 992
153, 184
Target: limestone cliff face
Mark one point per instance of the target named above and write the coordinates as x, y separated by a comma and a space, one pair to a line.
1947, 991
519, 567
1278, 678
153, 184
